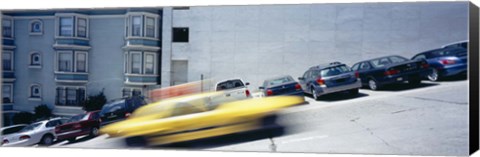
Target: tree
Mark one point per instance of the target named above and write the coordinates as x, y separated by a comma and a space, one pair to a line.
22, 118
42, 112
95, 102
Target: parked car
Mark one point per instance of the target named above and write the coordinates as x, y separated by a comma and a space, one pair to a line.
462, 44
42, 132
329, 78
445, 62
234, 87
194, 117
120, 109
378, 72
10, 130
282, 85
79, 125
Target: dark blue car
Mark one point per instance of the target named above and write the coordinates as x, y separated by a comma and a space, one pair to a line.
378, 72
282, 85
449, 61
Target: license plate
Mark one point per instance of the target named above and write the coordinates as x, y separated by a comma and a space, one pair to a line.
399, 79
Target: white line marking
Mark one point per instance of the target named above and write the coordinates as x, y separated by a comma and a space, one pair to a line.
304, 139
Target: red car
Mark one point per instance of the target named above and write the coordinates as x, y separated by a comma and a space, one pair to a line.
79, 125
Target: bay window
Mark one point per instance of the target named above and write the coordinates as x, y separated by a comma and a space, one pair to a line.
7, 28
72, 25
7, 92
150, 27
66, 26
81, 62
72, 61
136, 25
142, 25
70, 96
138, 62
82, 27
7, 61
149, 63
65, 61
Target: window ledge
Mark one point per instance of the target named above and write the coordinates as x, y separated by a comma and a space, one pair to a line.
71, 37
35, 66
140, 37
146, 75
74, 73
34, 99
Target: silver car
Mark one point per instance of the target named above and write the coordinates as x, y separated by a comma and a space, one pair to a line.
42, 132
10, 130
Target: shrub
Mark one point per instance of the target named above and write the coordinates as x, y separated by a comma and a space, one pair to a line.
95, 102
22, 118
42, 112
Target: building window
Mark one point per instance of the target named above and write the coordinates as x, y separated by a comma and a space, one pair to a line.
180, 34
149, 63
129, 92
150, 27
136, 63
35, 59
136, 25
35, 91
36, 27
81, 64
65, 60
82, 27
7, 93
136, 92
66, 26
125, 92
7, 59
70, 96
7, 28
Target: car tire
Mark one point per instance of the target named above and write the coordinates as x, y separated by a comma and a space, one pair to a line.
433, 76
372, 84
354, 92
47, 140
94, 132
314, 94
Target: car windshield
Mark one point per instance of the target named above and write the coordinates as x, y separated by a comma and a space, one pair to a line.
332, 71
113, 107
229, 85
381, 62
279, 81
31, 127
78, 118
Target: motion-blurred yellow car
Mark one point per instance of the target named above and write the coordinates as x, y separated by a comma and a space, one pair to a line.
196, 117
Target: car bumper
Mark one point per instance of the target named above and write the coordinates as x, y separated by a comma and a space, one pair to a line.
452, 70
72, 134
327, 90
21, 143
405, 77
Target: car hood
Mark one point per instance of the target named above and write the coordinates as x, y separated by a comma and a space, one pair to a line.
231, 112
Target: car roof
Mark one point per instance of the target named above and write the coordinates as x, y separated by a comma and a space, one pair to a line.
326, 65
439, 49
230, 79
380, 58
453, 43
277, 77
11, 126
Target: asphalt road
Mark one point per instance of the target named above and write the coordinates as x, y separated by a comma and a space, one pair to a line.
431, 119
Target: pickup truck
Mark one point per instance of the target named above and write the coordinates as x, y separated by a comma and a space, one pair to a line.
235, 88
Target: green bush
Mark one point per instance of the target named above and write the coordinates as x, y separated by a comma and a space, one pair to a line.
95, 102
42, 112
23, 118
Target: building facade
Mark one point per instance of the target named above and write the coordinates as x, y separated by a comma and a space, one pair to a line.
59, 57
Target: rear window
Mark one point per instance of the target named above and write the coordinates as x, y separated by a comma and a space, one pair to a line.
230, 85
279, 81
387, 60
113, 107
447, 53
12, 130
332, 71
78, 118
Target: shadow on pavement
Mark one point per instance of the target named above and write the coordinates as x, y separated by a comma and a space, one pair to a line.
338, 96
454, 78
405, 86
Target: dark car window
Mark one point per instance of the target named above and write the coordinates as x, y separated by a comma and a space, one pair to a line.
381, 62
314, 74
397, 59
12, 130
113, 107
420, 56
78, 118
278, 81
95, 116
31, 127
229, 85
53, 123
332, 71
364, 66
448, 53
355, 66
306, 74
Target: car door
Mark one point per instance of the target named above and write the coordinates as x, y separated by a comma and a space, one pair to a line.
303, 82
364, 71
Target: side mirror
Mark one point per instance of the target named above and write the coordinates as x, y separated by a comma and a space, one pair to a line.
261, 87
247, 83
301, 78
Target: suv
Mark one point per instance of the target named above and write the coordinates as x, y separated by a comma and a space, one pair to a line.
235, 88
330, 78
120, 109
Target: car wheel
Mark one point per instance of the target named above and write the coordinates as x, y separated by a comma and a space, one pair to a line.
353, 91
433, 76
47, 140
372, 84
314, 93
94, 132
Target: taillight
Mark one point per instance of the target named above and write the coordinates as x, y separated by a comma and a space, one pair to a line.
447, 61
298, 87
77, 126
425, 65
127, 115
269, 92
320, 81
247, 92
24, 137
5, 141
391, 72
357, 75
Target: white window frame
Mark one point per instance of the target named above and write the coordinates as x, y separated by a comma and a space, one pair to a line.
75, 17
4, 17
31, 93
31, 65
126, 62
65, 93
75, 61
130, 91
154, 26
57, 60
30, 27
11, 91
143, 27
77, 24
60, 28
154, 62
11, 61
130, 62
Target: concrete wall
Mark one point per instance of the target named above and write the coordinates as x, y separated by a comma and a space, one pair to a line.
257, 42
